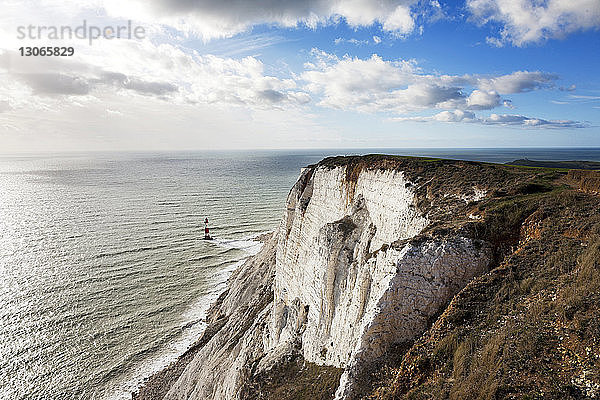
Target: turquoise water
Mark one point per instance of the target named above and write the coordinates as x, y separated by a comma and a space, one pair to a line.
103, 276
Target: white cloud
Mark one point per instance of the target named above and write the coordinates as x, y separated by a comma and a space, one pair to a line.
55, 83
211, 19
4, 106
570, 88
494, 119
494, 41
584, 97
374, 85
399, 21
523, 121
353, 41
377, 85
517, 82
444, 116
168, 72
454, 116
578, 99
508, 103
483, 100
526, 21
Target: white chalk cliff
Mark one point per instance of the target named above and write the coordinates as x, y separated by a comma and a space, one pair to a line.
348, 273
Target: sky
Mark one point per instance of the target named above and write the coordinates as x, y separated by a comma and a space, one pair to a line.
268, 74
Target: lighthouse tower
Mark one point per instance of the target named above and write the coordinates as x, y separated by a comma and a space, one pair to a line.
206, 230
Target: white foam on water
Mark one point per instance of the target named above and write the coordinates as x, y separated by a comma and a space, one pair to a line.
248, 244
194, 321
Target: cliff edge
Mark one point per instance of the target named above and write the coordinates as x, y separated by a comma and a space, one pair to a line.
373, 260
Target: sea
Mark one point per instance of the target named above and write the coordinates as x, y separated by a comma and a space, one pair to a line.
104, 276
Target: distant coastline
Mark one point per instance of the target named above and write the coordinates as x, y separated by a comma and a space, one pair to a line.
574, 164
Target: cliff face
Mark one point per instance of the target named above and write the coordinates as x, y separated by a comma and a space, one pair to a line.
349, 282
368, 253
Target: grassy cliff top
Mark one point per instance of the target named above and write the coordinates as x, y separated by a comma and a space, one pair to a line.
593, 165
444, 171
385, 161
395, 161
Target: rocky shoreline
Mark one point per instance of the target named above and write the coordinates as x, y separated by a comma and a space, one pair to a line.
159, 383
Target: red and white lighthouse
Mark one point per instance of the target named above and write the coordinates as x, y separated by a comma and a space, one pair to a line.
206, 230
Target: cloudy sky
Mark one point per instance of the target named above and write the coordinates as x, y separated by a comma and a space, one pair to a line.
301, 74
